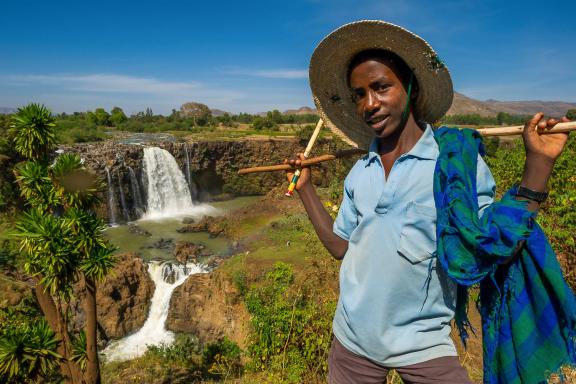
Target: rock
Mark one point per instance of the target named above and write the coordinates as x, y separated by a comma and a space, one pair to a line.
209, 306
214, 226
186, 251
123, 299
162, 244
188, 220
137, 230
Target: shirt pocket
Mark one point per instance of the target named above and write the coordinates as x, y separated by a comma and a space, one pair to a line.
418, 236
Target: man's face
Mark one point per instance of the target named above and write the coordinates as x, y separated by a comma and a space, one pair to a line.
379, 95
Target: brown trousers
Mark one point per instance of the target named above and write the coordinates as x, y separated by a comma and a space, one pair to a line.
345, 367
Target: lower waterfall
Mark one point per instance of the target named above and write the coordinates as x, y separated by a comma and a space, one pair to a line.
166, 277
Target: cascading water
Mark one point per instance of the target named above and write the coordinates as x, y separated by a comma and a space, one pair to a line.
136, 194
166, 277
122, 198
167, 190
111, 200
187, 174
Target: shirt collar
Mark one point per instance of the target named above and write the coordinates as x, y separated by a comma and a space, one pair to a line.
425, 148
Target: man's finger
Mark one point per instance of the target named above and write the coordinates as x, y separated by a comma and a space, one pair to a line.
532, 125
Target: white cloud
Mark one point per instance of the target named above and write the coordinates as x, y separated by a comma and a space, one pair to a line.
270, 73
102, 82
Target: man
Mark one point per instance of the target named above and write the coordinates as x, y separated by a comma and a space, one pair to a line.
379, 86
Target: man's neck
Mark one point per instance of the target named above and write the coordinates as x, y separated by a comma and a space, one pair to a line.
402, 142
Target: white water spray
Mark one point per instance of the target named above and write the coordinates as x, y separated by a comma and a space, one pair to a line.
166, 277
168, 193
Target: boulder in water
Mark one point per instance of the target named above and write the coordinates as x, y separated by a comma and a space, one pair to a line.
162, 244
137, 230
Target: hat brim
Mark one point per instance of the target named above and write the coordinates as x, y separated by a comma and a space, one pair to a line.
329, 70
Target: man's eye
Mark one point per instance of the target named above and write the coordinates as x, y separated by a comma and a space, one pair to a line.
357, 95
382, 87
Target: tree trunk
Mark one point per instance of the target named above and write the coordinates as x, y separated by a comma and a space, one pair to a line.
69, 370
92, 373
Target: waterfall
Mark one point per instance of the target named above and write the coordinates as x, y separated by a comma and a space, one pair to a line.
136, 195
122, 198
166, 277
111, 200
191, 184
167, 190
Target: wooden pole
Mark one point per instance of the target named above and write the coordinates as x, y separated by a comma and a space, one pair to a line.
517, 130
492, 131
305, 163
306, 154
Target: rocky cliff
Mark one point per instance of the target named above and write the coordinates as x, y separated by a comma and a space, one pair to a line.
213, 168
209, 306
123, 300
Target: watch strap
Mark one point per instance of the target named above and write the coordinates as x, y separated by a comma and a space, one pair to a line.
539, 197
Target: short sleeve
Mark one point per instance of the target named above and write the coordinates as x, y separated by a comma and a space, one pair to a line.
347, 219
485, 185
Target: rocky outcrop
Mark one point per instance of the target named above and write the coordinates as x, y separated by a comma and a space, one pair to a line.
213, 165
209, 306
189, 252
213, 225
123, 299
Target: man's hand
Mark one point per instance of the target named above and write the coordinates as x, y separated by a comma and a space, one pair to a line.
305, 175
543, 147
541, 151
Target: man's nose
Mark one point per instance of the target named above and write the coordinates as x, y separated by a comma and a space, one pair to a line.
372, 102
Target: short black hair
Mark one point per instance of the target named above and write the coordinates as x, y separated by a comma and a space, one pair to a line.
399, 65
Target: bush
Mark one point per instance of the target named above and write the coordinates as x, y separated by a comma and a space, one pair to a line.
291, 330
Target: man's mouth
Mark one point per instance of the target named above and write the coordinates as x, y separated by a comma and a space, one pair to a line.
378, 122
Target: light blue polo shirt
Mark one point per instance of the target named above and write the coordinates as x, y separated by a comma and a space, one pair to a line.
396, 303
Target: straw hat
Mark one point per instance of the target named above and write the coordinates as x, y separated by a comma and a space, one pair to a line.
329, 70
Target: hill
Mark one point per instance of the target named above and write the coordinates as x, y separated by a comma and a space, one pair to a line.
6, 110
464, 105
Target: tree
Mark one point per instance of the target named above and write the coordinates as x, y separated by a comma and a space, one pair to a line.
33, 128
117, 116
275, 116
200, 113
62, 241
571, 114
260, 123
99, 117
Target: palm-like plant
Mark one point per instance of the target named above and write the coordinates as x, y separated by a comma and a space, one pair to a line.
33, 129
61, 237
28, 353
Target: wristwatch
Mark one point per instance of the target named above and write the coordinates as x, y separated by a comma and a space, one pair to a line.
538, 197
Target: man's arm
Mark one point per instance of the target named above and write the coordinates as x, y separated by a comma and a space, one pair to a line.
321, 220
541, 154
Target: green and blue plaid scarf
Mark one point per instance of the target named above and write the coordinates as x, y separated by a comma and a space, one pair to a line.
528, 311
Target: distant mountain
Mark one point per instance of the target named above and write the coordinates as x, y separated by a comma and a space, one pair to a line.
464, 105
218, 112
6, 110
301, 111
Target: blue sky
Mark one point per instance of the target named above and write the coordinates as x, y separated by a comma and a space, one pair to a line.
253, 56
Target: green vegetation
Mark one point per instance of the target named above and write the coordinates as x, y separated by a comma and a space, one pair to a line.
291, 326
61, 240
185, 361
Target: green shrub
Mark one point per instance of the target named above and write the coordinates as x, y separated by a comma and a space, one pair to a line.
291, 326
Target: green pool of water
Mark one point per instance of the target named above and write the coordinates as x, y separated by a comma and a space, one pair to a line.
165, 229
